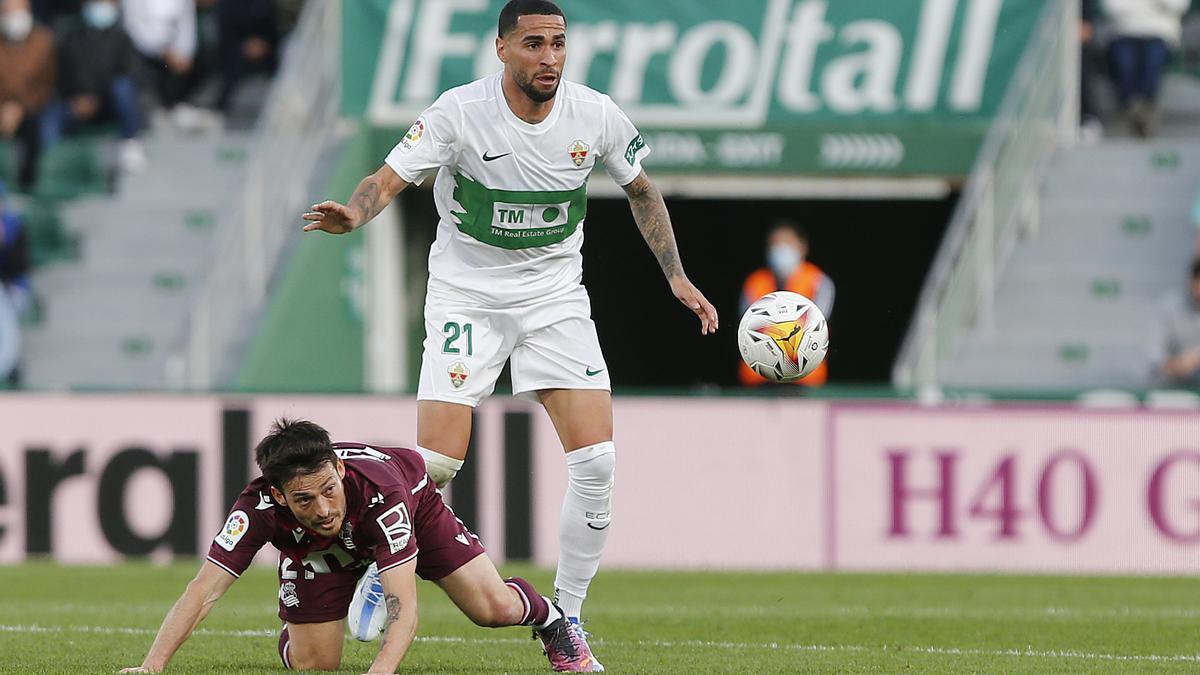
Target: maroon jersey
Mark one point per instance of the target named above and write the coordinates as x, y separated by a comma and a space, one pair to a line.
393, 512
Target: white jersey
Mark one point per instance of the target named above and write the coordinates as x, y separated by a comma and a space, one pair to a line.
512, 196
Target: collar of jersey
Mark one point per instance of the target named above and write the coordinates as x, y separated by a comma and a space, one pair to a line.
507, 113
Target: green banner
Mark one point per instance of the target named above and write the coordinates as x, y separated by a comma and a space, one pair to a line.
894, 87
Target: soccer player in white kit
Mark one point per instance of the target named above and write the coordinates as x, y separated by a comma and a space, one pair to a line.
512, 153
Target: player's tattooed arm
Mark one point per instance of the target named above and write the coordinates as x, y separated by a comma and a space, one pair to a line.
393, 608
365, 201
371, 196
653, 221
400, 602
650, 214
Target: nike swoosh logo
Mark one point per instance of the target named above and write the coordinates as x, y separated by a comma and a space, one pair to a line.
593, 373
488, 158
600, 528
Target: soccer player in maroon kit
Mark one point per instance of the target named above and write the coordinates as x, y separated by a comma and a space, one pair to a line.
332, 509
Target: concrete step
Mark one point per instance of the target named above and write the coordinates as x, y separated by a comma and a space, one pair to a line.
1015, 361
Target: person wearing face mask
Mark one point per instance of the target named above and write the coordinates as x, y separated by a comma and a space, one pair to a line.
788, 270
96, 63
27, 72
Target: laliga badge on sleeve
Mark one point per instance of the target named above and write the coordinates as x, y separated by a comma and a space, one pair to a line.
415, 133
235, 528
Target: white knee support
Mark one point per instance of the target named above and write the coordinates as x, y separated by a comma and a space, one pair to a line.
590, 475
439, 467
583, 526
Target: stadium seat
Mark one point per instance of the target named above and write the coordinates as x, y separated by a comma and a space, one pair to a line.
48, 239
8, 164
71, 169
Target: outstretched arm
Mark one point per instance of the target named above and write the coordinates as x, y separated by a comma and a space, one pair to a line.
201, 594
400, 599
370, 197
650, 214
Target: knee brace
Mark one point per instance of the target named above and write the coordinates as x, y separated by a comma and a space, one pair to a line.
440, 467
590, 475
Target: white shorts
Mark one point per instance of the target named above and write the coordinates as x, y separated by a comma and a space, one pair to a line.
552, 345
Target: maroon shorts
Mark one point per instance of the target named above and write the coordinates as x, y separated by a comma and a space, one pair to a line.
444, 544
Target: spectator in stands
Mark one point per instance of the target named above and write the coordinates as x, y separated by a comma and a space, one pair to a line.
249, 40
1143, 34
14, 256
26, 82
1175, 351
14, 288
10, 342
96, 62
164, 33
788, 269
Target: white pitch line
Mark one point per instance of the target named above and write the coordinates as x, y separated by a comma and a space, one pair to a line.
671, 644
807, 612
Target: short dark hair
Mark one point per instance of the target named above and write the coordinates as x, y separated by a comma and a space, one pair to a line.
293, 448
515, 9
788, 224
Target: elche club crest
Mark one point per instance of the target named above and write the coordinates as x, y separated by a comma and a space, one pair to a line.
458, 374
579, 152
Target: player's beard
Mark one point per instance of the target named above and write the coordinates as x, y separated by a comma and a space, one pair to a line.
528, 84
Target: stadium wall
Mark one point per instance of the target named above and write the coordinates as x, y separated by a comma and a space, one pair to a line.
702, 483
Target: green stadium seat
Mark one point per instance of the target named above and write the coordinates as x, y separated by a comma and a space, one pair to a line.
70, 169
48, 239
8, 165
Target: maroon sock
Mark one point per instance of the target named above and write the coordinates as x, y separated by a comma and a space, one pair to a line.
284, 640
537, 609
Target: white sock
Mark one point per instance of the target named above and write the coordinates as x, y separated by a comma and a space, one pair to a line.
439, 467
553, 616
583, 525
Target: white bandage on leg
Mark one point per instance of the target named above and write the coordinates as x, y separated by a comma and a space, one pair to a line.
583, 525
439, 467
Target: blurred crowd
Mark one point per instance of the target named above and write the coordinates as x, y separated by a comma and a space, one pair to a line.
72, 65
115, 69
1133, 42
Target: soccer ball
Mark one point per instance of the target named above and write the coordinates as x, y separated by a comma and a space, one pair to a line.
783, 336
367, 616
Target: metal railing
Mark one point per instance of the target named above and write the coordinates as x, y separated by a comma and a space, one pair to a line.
294, 129
999, 202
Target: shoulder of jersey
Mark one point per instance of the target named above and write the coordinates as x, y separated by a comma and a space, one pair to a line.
384, 474
476, 90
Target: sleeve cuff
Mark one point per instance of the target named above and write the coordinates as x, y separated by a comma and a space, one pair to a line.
406, 175
223, 566
398, 563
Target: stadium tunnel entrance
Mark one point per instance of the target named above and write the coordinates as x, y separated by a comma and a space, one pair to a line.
877, 252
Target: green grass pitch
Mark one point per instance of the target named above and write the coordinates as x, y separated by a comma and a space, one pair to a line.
56, 619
